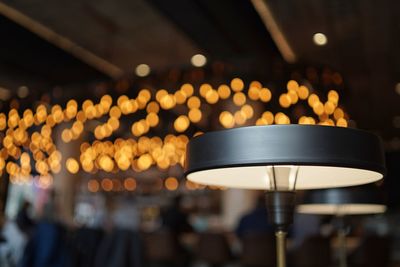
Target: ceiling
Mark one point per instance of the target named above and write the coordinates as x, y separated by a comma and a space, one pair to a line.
124, 33
362, 44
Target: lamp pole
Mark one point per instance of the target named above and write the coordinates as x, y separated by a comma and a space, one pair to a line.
342, 232
281, 248
280, 206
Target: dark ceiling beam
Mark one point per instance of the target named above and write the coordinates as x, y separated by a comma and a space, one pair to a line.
276, 33
28, 59
60, 41
223, 29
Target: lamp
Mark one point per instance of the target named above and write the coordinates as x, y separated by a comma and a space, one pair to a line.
341, 202
283, 158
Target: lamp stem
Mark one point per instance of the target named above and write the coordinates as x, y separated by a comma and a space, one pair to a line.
342, 232
280, 205
342, 248
281, 248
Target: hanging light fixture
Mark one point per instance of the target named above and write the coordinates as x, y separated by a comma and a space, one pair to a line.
283, 158
341, 202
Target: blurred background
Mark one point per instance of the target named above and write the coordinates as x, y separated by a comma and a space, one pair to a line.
99, 98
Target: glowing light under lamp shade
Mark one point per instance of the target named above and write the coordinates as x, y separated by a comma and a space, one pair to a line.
345, 209
343, 201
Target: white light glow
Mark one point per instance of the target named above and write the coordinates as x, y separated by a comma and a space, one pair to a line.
23, 91
320, 39
198, 60
142, 70
343, 209
308, 177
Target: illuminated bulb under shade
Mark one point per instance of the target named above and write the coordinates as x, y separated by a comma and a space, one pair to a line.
198, 60
309, 177
142, 70
397, 88
320, 39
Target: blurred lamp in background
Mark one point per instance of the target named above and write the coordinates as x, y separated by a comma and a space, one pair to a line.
342, 202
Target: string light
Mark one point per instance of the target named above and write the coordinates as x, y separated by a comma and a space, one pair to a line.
93, 186
145, 152
226, 119
195, 115
181, 123
107, 184
237, 84
72, 165
224, 91
130, 184
239, 99
265, 95
171, 183
254, 93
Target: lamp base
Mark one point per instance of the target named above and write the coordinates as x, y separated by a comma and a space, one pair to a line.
280, 206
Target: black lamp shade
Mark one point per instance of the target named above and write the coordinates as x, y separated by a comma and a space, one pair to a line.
321, 157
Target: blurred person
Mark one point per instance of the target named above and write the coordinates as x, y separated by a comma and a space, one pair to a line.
121, 246
14, 235
256, 221
84, 241
24, 220
126, 215
47, 245
175, 219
